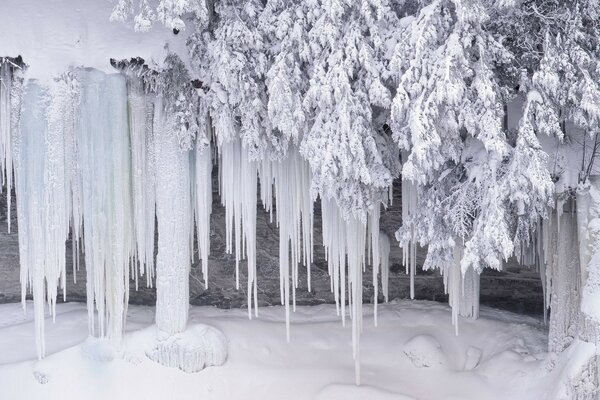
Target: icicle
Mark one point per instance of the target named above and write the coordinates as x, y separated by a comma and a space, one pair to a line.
6, 147
104, 159
409, 247
238, 196
203, 199
142, 174
346, 238
43, 185
175, 218
384, 254
292, 181
462, 289
373, 246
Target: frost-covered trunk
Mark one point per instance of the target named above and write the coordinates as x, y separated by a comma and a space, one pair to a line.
175, 218
572, 268
586, 384
562, 278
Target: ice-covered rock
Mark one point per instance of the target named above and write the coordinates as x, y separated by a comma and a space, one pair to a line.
424, 351
192, 350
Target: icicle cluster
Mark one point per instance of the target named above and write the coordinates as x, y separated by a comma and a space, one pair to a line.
97, 159
409, 244
291, 178
6, 121
238, 187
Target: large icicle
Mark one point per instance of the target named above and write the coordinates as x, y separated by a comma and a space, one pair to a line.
104, 160
342, 238
238, 186
6, 147
203, 198
409, 247
142, 174
43, 188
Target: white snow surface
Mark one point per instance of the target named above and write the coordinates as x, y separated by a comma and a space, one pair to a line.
315, 364
59, 34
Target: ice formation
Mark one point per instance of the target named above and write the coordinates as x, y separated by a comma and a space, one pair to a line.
198, 347
291, 179
104, 162
141, 132
6, 158
238, 187
409, 247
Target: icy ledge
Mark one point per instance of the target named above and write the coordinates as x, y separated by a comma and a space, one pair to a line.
192, 350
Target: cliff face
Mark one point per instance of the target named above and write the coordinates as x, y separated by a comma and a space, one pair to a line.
515, 289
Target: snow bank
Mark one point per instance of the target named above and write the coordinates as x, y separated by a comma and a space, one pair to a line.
262, 365
59, 34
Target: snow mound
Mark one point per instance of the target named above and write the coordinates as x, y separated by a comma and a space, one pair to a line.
98, 349
424, 351
198, 347
353, 392
473, 358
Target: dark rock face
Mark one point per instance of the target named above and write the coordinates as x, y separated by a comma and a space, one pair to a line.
515, 289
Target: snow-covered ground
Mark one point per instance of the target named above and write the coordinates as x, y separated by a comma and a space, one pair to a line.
412, 354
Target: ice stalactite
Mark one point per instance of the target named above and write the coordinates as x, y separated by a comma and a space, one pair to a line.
43, 183
409, 247
346, 239
291, 178
462, 288
175, 219
141, 134
384, 255
104, 161
203, 199
238, 186
469, 299
378, 247
6, 147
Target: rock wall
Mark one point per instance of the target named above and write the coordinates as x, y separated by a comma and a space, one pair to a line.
515, 289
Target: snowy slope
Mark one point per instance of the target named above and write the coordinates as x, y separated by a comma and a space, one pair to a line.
500, 356
63, 33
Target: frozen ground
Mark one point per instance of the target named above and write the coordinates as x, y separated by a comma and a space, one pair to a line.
412, 354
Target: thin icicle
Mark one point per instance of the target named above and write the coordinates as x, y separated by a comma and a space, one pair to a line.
203, 199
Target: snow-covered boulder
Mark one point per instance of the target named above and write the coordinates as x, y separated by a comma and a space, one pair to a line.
192, 350
424, 351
